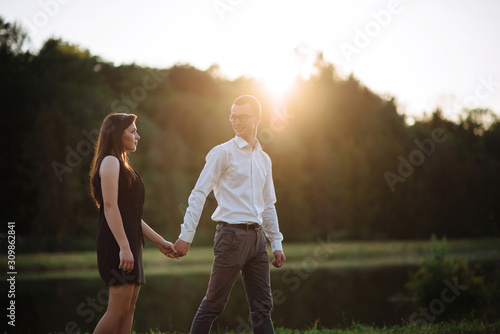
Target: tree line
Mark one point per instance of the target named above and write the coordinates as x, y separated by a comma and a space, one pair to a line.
346, 163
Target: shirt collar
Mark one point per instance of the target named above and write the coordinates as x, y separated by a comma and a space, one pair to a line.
243, 143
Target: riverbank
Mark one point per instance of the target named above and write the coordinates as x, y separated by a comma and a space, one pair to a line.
324, 253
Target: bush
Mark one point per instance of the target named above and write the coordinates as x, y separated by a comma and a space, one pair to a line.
444, 288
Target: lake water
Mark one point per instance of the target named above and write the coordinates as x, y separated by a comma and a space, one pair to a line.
333, 298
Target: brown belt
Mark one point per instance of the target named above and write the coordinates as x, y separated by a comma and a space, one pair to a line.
247, 227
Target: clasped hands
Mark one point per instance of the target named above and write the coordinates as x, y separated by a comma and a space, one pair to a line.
167, 248
174, 251
181, 247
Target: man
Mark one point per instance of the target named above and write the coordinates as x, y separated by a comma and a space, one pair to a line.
240, 175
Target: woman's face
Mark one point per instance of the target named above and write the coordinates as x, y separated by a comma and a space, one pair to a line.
130, 138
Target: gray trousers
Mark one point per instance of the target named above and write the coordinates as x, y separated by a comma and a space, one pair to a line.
237, 250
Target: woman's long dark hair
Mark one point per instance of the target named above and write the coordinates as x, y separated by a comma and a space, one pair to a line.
110, 142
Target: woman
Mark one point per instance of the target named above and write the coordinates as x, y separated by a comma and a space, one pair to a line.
119, 193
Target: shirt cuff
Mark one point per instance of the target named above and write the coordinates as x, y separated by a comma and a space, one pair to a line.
186, 236
276, 245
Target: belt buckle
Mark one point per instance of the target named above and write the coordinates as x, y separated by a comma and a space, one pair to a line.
254, 226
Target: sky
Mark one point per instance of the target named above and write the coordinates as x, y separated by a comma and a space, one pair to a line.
427, 54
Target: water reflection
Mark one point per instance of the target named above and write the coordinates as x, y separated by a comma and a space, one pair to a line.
333, 297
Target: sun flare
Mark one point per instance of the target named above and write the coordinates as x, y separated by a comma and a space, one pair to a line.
277, 77
278, 83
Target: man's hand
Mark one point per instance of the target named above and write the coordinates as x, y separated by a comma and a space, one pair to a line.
168, 249
182, 248
279, 259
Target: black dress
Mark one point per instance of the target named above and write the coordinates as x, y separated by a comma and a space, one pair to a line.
130, 203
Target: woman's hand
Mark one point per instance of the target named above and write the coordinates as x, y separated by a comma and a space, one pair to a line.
126, 260
168, 249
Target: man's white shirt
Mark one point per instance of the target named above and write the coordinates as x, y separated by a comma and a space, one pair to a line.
241, 179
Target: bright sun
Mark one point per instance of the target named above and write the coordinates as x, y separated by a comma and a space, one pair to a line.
279, 83
277, 77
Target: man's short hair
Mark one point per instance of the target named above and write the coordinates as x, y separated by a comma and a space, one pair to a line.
252, 100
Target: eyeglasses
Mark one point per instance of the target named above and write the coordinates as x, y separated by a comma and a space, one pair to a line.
242, 118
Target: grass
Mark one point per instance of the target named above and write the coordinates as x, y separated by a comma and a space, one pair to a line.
463, 327
325, 254
438, 328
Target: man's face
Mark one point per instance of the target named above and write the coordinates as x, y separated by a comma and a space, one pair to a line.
244, 120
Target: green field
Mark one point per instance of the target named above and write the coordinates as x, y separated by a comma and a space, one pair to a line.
322, 254
438, 328
473, 327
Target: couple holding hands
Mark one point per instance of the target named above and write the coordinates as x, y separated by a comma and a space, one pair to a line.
240, 175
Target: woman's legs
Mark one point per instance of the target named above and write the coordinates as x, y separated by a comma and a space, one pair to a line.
120, 298
126, 324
